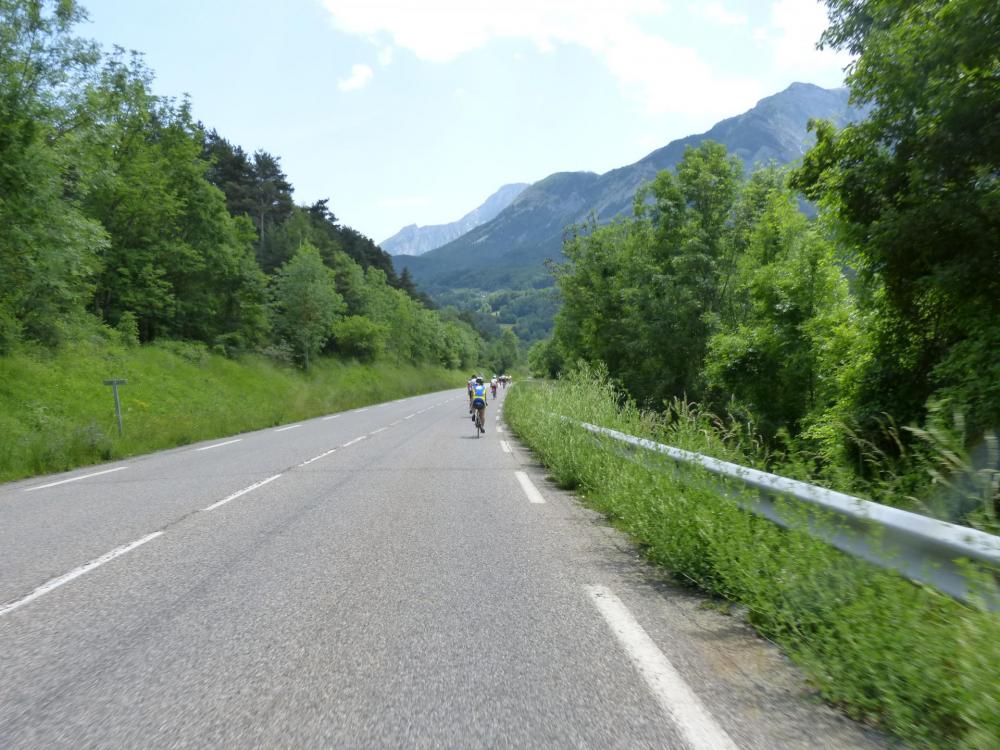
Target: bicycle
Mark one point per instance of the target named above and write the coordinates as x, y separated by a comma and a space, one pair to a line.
478, 422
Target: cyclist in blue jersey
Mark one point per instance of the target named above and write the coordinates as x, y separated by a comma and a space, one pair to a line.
478, 403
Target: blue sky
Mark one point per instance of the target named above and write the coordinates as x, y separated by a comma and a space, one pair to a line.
414, 111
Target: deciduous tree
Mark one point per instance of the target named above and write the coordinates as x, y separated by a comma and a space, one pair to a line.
305, 303
916, 190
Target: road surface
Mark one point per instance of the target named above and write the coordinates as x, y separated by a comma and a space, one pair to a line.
375, 578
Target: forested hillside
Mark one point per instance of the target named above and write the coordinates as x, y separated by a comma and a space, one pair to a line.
119, 211
721, 292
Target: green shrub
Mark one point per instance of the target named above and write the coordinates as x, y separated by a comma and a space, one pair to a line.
10, 330
357, 336
128, 329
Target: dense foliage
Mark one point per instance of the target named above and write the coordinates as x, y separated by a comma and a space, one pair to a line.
824, 334
914, 192
718, 289
118, 209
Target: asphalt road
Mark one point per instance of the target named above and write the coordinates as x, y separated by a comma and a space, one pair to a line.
376, 578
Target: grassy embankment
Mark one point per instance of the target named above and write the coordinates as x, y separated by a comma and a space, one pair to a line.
56, 414
889, 652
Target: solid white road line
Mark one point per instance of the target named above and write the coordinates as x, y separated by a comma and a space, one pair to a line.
529, 488
217, 445
505, 445
75, 479
352, 442
393, 424
687, 713
244, 491
76, 573
358, 411
332, 416
317, 458
290, 427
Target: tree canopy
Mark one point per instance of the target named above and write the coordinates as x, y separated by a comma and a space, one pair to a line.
118, 209
914, 192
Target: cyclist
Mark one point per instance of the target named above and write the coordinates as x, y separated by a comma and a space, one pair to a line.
478, 402
493, 386
469, 386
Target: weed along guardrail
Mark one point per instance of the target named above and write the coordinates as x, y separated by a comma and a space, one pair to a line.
923, 549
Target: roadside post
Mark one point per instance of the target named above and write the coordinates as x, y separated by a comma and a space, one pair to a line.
118, 404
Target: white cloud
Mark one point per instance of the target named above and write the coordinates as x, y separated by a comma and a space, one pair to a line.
662, 76
720, 14
792, 35
385, 56
360, 76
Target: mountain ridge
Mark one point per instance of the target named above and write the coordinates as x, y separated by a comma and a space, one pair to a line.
417, 240
510, 250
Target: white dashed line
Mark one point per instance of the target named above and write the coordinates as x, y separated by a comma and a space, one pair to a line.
499, 428
317, 458
244, 491
289, 427
217, 445
380, 429
393, 424
529, 488
688, 714
410, 417
75, 479
76, 573
352, 442
358, 411
505, 445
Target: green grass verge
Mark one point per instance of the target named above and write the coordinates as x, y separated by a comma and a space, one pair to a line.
55, 413
891, 653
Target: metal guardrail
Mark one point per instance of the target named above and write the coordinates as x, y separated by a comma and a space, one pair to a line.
922, 549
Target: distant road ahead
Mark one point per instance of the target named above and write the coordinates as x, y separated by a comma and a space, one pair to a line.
377, 578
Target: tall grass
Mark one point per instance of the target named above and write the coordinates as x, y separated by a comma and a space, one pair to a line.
891, 653
56, 414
